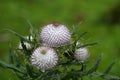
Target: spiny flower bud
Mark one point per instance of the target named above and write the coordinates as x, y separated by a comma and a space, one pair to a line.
28, 46
55, 35
44, 58
81, 54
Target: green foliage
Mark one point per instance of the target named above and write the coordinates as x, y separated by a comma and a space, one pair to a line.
65, 68
96, 16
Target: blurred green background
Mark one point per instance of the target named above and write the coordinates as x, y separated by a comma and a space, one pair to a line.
100, 18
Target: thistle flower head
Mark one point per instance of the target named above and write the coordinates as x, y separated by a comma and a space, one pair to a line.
81, 54
28, 46
44, 58
55, 35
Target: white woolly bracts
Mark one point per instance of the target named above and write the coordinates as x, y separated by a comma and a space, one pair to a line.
81, 54
44, 58
55, 35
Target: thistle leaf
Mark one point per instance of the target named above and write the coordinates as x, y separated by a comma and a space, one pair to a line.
29, 70
107, 76
80, 36
20, 76
10, 66
75, 28
95, 67
20, 36
11, 61
111, 77
88, 44
17, 60
108, 69
83, 68
33, 31
70, 63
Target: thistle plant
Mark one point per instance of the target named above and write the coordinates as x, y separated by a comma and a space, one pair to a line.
52, 54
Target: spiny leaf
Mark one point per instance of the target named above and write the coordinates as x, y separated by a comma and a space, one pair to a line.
11, 61
80, 36
10, 66
93, 69
107, 76
112, 77
71, 74
88, 44
69, 63
108, 69
33, 31
51, 74
75, 28
73, 45
20, 76
17, 60
84, 66
20, 36
29, 70
30, 25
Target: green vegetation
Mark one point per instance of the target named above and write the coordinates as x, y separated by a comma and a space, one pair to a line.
100, 18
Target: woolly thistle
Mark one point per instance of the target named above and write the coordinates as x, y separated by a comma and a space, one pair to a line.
55, 60
55, 35
44, 58
81, 54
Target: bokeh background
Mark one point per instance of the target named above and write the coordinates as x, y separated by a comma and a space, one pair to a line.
100, 18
